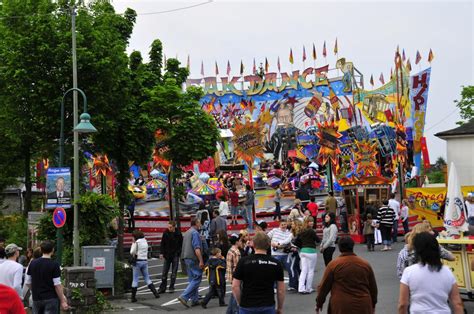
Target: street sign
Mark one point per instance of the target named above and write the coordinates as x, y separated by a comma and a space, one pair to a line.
59, 217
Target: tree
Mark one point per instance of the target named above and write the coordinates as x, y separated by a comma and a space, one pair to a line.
466, 104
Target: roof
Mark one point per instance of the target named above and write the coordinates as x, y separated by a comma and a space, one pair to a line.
465, 129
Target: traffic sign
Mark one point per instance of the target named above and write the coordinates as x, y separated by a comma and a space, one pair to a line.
59, 217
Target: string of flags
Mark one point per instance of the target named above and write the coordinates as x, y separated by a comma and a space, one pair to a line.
402, 56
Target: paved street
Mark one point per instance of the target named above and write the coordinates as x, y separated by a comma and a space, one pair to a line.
383, 264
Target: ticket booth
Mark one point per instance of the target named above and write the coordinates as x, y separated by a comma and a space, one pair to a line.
358, 193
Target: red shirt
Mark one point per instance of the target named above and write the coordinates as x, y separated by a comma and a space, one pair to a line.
10, 302
234, 199
313, 208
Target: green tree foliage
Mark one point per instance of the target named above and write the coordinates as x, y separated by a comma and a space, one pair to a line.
466, 104
14, 229
96, 213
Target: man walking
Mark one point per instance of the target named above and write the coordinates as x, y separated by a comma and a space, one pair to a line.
170, 250
277, 200
351, 282
191, 252
395, 205
254, 279
11, 272
217, 223
44, 280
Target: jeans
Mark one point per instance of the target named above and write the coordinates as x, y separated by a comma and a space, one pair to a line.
234, 210
257, 310
215, 290
308, 265
233, 307
370, 239
395, 230
277, 213
327, 254
294, 270
50, 306
140, 267
386, 231
173, 262
194, 280
406, 229
249, 216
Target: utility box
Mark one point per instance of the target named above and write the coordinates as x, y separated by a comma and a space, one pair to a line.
102, 259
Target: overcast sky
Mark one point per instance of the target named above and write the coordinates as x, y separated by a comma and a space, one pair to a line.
367, 32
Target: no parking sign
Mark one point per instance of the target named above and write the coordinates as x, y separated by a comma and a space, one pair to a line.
59, 217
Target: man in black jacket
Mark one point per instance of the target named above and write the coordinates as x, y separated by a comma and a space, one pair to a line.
170, 250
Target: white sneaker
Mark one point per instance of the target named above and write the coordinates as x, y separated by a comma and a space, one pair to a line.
291, 289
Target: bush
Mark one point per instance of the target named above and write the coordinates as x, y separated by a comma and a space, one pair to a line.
14, 228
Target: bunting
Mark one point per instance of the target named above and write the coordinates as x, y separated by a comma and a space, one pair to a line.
241, 67
266, 65
335, 48
304, 54
314, 52
408, 65
381, 79
228, 67
278, 65
291, 56
403, 55
418, 57
372, 80
324, 50
217, 69
430, 56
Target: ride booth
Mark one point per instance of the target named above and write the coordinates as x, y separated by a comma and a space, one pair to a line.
358, 194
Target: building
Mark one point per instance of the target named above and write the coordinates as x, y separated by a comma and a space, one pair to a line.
460, 150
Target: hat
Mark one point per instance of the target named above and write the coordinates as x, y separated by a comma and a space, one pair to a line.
262, 224
12, 248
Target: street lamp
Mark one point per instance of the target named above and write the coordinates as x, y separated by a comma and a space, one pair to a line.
82, 127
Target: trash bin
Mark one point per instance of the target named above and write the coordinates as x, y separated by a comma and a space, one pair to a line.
102, 259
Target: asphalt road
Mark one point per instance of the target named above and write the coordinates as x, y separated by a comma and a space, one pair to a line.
383, 264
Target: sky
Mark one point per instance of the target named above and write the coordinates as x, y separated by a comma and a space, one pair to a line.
368, 33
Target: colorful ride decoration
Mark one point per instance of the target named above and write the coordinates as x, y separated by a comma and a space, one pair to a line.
366, 158
161, 149
248, 141
204, 190
329, 139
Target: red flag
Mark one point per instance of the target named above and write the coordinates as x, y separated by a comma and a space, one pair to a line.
381, 79
266, 65
418, 57
314, 52
254, 69
408, 65
291, 56
304, 54
278, 64
228, 67
335, 48
324, 49
202, 68
430, 56
217, 69
372, 80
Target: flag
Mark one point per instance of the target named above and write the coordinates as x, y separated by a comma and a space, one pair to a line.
430, 56
418, 57
304, 54
335, 47
266, 65
291, 56
454, 213
188, 63
217, 69
228, 67
324, 49
391, 73
372, 80
202, 68
278, 65
314, 52
408, 65
254, 69
403, 55
241, 67
381, 79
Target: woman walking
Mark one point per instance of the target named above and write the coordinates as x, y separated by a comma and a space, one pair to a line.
140, 250
428, 285
307, 241
328, 244
385, 218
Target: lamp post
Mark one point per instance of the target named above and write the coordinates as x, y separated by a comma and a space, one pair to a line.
83, 127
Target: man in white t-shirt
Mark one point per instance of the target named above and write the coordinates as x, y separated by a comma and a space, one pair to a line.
395, 205
11, 272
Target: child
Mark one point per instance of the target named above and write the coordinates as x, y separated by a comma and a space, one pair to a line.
215, 272
369, 232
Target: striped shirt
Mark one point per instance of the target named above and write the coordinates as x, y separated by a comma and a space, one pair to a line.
385, 215
282, 238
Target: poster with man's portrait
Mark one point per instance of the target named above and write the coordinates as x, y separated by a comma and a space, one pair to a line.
58, 188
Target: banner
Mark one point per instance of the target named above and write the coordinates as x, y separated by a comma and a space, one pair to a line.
58, 188
455, 216
419, 87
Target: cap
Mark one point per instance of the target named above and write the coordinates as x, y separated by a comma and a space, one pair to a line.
12, 248
262, 224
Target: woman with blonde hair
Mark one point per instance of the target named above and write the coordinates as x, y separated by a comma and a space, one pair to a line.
307, 241
406, 257
293, 258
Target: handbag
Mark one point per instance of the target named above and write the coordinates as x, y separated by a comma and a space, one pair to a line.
132, 259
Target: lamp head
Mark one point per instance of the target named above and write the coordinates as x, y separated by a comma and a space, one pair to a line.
85, 126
